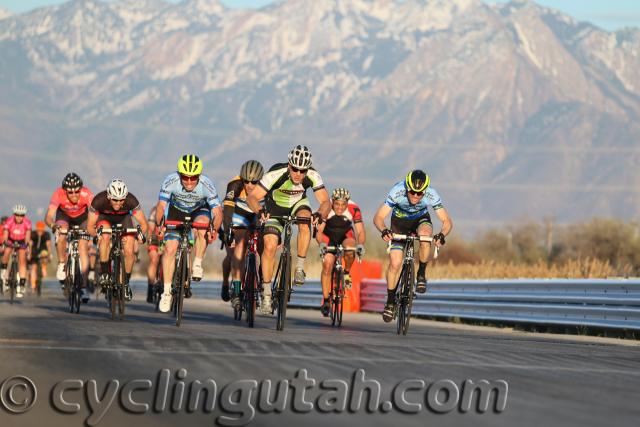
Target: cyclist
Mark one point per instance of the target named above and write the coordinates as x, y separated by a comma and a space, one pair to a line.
345, 216
3, 220
111, 207
284, 190
153, 250
187, 192
17, 229
40, 252
237, 218
69, 206
408, 203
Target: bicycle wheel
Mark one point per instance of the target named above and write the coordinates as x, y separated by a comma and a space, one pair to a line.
401, 302
118, 300
77, 286
39, 278
338, 297
409, 296
284, 285
250, 286
406, 296
183, 282
13, 281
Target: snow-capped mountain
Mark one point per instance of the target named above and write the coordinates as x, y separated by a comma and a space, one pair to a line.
515, 109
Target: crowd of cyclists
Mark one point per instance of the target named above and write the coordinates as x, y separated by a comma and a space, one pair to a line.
255, 198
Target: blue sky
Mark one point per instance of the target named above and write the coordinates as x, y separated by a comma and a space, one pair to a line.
609, 14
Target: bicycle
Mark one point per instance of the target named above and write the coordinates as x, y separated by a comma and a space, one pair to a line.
181, 281
73, 279
406, 282
337, 295
13, 279
281, 285
250, 291
116, 288
41, 259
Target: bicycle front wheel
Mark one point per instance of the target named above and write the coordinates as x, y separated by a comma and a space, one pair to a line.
183, 281
282, 291
77, 286
250, 287
338, 298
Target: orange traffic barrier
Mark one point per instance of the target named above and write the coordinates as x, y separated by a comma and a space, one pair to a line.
359, 271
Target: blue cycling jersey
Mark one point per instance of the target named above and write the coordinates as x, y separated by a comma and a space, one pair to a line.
398, 200
203, 195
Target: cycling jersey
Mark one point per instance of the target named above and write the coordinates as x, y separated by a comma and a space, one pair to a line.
203, 195
339, 227
73, 210
237, 212
282, 192
39, 242
101, 204
402, 208
17, 232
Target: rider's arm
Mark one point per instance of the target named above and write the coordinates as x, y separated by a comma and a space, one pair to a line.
360, 233
216, 214
322, 196
447, 223
91, 222
5, 234
320, 232
160, 211
234, 187
49, 218
253, 198
142, 220
378, 219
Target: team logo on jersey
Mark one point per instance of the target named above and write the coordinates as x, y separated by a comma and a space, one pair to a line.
291, 192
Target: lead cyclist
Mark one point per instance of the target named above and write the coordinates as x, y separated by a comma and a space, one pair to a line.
187, 192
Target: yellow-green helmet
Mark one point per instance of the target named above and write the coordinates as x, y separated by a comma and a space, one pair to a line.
417, 181
189, 165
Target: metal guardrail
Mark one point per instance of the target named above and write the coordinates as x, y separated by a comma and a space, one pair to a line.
599, 303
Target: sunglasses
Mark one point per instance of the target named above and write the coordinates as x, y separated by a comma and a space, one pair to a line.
296, 170
18, 215
72, 191
416, 193
189, 178
251, 182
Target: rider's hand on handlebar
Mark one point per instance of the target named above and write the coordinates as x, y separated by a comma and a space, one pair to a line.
439, 239
360, 251
387, 235
323, 249
264, 215
316, 218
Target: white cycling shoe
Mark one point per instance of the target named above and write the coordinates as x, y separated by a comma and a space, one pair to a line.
165, 303
197, 272
60, 273
265, 305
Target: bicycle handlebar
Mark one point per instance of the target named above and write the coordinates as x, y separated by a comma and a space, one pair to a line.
404, 237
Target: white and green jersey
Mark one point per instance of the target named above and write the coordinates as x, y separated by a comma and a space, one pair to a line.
282, 191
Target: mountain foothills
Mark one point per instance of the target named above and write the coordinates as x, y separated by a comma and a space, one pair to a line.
514, 109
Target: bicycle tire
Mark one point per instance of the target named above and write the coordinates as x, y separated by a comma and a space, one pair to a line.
401, 301
284, 284
39, 278
13, 280
77, 286
250, 287
183, 281
119, 287
339, 298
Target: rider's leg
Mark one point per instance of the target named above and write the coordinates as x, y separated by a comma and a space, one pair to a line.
304, 238
424, 229
200, 246
325, 277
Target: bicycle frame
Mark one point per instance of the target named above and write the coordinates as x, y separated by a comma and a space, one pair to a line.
73, 281
337, 293
250, 292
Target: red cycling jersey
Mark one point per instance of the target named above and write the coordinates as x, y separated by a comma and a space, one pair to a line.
62, 202
17, 232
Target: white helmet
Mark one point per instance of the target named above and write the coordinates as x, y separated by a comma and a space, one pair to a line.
300, 157
20, 210
117, 190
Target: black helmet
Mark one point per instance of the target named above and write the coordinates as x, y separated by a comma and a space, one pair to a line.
72, 181
251, 170
416, 181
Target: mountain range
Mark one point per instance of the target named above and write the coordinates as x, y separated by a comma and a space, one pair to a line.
513, 109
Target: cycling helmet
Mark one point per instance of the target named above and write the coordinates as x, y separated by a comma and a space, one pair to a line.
40, 226
190, 165
117, 190
20, 210
71, 181
251, 170
416, 181
341, 194
300, 157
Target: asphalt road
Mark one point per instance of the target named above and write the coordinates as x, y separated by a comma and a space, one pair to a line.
111, 369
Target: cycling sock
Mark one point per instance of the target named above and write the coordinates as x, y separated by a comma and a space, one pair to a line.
236, 286
3, 266
104, 267
421, 268
127, 277
197, 261
167, 288
23, 281
391, 295
300, 262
